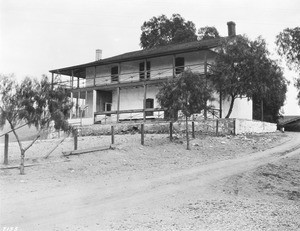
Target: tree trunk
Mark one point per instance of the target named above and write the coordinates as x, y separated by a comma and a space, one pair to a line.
262, 109
22, 172
231, 107
187, 134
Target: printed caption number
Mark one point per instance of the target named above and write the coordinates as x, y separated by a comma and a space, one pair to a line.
10, 229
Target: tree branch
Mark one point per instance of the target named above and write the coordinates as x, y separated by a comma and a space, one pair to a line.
35, 139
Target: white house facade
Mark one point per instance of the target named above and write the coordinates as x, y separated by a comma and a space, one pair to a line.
124, 87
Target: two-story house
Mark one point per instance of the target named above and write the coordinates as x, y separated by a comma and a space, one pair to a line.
124, 87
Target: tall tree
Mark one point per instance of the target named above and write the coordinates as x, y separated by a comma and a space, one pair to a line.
159, 31
243, 69
288, 43
208, 32
34, 103
189, 93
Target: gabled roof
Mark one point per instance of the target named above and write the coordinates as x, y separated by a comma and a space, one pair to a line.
79, 70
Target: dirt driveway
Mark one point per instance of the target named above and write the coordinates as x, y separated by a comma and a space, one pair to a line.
224, 183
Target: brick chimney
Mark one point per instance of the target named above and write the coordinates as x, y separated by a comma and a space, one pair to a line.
98, 54
231, 28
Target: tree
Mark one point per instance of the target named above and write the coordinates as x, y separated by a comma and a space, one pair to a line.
208, 32
159, 31
34, 103
189, 93
288, 43
267, 105
243, 69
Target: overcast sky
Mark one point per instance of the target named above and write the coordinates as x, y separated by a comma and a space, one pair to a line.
39, 35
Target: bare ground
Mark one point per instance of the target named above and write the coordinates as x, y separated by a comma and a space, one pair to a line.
223, 183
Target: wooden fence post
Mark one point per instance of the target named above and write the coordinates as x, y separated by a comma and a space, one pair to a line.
234, 126
6, 149
112, 135
217, 127
142, 134
193, 130
75, 139
171, 131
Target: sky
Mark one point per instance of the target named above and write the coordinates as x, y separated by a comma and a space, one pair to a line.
37, 36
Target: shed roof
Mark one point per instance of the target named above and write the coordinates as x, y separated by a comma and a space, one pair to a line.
288, 119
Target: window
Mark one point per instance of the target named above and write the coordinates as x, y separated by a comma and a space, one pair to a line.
179, 65
107, 108
114, 74
149, 104
142, 70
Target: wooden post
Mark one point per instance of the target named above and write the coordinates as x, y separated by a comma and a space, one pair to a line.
77, 105
234, 127
217, 127
171, 131
142, 134
205, 73
174, 71
193, 130
75, 139
262, 110
220, 116
72, 80
95, 75
118, 104
112, 135
144, 104
6, 149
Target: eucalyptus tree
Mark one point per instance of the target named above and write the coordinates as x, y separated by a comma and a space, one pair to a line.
34, 103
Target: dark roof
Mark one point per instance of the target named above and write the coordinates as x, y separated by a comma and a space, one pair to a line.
288, 119
143, 54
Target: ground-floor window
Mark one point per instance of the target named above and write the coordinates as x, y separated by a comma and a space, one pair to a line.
179, 65
149, 104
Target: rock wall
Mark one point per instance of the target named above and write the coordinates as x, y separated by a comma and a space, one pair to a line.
209, 126
253, 126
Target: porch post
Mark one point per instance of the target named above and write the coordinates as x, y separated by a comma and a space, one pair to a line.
71, 111
144, 103
95, 74
94, 107
118, 104
174, 73
72, 80
205, 74
85, 105
77, 105
77, 82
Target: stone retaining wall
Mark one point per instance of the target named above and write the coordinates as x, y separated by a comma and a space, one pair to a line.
209, 126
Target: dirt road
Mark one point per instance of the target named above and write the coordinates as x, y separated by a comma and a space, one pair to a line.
145, 197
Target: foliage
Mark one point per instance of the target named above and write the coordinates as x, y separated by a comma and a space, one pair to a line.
159, 31
273, 98
189, 93
243, 69
208, 32
288, 43
34, 103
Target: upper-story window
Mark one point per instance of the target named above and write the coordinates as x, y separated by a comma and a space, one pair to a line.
179, 65
114, 74
145, 70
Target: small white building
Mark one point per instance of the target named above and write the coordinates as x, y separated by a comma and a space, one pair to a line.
124, 87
